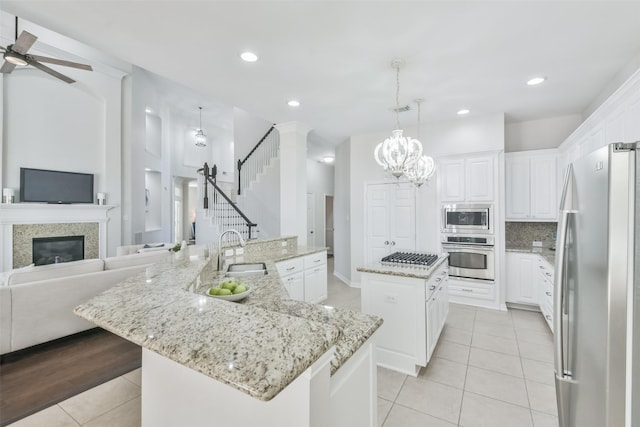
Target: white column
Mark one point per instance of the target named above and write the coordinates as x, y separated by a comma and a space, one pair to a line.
293, 180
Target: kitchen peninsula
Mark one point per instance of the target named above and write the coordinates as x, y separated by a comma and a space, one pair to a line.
413, 301
267, 361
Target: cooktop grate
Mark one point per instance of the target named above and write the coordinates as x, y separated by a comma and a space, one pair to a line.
410, 259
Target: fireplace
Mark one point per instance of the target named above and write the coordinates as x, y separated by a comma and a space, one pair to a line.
54, 250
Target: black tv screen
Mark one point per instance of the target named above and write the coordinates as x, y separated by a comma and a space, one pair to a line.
39, 185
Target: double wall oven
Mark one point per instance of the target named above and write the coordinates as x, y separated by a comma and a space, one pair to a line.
467, 236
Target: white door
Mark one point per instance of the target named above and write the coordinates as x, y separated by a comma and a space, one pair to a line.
311, 217
402, 232
390, 219
328, 223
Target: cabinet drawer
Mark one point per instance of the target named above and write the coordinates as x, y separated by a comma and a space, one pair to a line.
471, 289
315, 260
290, 266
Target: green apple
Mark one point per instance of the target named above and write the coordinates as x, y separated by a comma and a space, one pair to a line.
222, 292
240, 289
214, 291
229, 284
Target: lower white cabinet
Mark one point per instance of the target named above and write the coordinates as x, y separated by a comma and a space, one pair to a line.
544, 277
305, 278
437, 310
530, 281
522, 278
414, 311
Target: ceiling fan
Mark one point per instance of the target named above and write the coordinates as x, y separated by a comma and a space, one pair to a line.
16, 54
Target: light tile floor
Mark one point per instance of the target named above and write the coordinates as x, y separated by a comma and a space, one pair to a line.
490, 369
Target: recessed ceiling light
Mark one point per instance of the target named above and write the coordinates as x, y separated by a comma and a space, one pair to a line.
536, 81
249, 56
328, 159
293, 103
463, 112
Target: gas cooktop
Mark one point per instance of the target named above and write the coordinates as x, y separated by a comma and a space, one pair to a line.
409, 259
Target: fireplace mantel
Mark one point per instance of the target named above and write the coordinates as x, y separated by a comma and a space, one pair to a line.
40, 213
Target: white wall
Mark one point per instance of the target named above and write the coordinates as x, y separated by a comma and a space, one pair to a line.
320, 182
540, 134
247, 131
342, 212
464, 135
49, 124
260, 201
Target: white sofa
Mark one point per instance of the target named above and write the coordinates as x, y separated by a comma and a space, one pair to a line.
36, 303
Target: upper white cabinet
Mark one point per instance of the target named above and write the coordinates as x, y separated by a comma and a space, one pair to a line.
466, 179
390, 219
531, 185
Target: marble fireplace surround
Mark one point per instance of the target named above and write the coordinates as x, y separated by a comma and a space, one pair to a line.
20, 222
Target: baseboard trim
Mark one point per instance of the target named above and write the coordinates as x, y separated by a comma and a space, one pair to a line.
342, 278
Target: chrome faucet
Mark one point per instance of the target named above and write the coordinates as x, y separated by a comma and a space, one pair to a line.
231, 230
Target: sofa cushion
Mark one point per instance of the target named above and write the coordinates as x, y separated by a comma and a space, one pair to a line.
153, 249
115, 262
52, 271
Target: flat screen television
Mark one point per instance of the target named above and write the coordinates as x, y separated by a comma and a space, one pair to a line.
39, 185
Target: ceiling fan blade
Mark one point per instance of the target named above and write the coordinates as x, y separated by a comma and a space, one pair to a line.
24, 42
61, 62
48, 70
7, 67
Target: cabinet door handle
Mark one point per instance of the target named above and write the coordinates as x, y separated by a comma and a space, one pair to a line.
541, 267
467, 290
548, 317
548, 293
317, 260
432, 287
290, 268
548, 274
386, 242
393, 243
438, 279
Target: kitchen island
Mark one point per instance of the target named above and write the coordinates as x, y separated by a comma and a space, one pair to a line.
266, 361
413, 302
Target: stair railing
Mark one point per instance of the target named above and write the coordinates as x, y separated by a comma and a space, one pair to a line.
258, 158
218, 204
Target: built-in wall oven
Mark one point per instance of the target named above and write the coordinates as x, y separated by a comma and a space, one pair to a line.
470, 256
467, 218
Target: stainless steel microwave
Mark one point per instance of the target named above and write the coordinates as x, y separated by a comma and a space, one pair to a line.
467, 218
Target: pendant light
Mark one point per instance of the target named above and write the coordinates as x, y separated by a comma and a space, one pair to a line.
201, 138
397, 152
422, 169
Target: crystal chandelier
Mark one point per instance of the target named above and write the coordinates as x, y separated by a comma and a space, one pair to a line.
397, 152
422, 169
201, 138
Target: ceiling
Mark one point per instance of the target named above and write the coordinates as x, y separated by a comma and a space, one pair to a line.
334, 56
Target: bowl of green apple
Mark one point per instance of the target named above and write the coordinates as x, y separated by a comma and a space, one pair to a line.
230, 290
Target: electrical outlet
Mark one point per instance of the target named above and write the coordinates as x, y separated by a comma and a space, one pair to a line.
239, 251
228, 252
283, 243
537, 244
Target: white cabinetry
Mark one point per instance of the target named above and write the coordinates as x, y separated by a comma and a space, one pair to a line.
390, 219
466, 179
437, 309
305, 278
414, 311
522, 278
544, 277
531, 185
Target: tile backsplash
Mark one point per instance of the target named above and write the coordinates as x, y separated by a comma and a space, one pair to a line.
524, 233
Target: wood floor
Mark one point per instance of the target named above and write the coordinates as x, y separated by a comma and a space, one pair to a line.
36, 378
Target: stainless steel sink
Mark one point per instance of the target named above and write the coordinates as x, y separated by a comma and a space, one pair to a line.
246, 269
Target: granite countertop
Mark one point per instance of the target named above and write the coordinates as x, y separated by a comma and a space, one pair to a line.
404, 271
548, 254
258, 346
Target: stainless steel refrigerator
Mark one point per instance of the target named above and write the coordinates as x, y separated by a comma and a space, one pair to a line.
596, 299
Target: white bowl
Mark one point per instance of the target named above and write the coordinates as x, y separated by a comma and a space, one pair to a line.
232, 297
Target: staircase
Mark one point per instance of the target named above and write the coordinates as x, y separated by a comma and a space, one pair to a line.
259, 184
221, 209
258, 195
